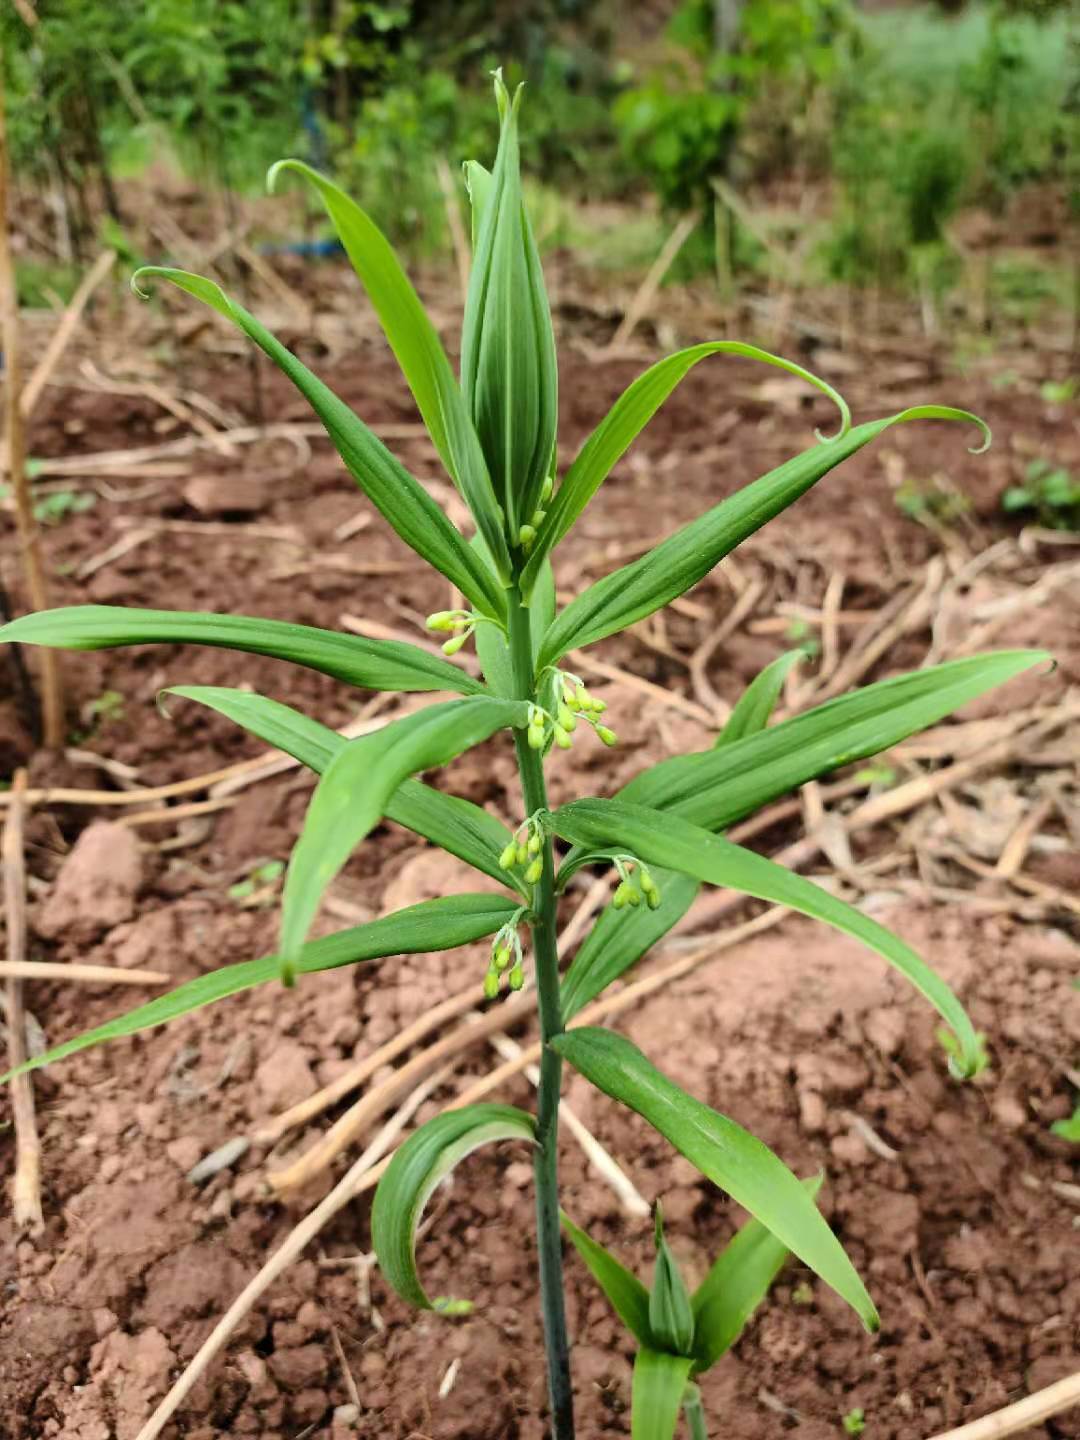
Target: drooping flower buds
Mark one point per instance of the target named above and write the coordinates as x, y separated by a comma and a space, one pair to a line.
508, 370
505, 948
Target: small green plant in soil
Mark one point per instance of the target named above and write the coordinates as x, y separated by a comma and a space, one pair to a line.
259, 886
1068, 1129
854, 1422
1050, 492
662, 834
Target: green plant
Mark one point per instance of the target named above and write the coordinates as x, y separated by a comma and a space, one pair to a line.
1050, 491
662, 833
109, 705
259, 885
682, 1335
1068, 1129
854, 1422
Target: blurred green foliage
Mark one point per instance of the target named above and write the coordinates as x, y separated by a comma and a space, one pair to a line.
903, 118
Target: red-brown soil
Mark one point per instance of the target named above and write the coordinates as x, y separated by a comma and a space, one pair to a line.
966, 1235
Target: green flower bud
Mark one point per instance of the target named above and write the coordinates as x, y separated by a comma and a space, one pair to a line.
535, 736
508, 370
534, 872
516, 978
491, 985
522, 853
535, 844
621, 898
508, 856
567, 718
652, 898
526, 536
671, 1316
596, 707
443, 620
502, 957
607, 736
562, 738
537, 518
634, 897
546, 489
451, 647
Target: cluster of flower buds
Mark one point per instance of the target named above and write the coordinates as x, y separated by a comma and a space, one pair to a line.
633, 888
527, 533
525, 850
572, 703
506, 959
461, 623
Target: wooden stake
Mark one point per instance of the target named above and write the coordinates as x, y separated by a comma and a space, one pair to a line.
52, 704
26, 1185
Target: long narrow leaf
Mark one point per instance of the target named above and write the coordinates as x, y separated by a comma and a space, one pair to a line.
464, 829
373, 664
680, 561
717, 787
628, 1296
396, 494
660, 838
625, 421
736, 1285
619, 939
419, 352
426, 1158
757, 702
656, 1393
440, 924
356, 787
723, 1151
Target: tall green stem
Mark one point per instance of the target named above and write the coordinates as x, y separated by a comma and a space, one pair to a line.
695, 1413
549, 1239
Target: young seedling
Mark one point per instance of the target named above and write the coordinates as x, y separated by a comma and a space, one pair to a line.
683, 1335
495, 431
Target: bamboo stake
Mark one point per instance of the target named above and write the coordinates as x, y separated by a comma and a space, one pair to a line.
26, 1185
52, 703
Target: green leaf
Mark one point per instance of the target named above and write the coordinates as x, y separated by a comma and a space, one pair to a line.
620, 938
671, 1317
458, 826
680, 561
736, 1285
478, 184
419, 352
440, 924
657, 1393
396, 494
373, 664
464, 829
352, 796
658, 837
628, 1296
757, 702
716, 788
426, 1158
723, 1151
625, 421
508, 368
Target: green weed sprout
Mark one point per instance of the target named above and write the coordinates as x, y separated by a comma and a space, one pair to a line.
495, 431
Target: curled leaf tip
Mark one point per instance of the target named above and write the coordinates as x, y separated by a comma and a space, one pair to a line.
136, 287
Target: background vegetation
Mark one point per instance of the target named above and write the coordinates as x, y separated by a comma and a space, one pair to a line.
815, 138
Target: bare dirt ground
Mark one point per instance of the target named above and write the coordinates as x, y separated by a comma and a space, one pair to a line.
957, 1203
